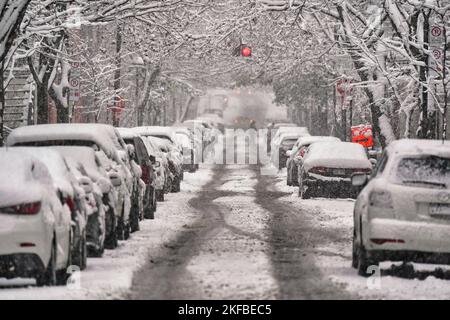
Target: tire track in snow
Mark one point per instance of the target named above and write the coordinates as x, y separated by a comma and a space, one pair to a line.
293, 241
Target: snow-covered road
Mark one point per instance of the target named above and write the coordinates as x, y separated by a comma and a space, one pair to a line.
233, 233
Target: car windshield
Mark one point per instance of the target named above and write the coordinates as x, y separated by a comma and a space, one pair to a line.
288, 142
430, 171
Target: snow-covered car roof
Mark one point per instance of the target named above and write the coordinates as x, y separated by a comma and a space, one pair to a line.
307, 140
416, 146
99, 134
284, 124
57, 167
156, 131
85, 156
282, 130
336, 155
19, 170
127, 133
291, 135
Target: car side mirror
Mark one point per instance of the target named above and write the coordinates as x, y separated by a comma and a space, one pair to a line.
359, 179
115, 179
86, 184
130, 150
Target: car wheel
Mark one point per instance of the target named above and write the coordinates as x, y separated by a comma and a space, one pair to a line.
364, 262
79, 252
111, 241
176, 186
127, 231
303, 191
49, 277
160, 195
354, 252
120, 229
134, 221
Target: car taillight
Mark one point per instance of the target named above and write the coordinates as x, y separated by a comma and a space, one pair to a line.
70, 203
23, 209
301, 153
145, 174
318, 170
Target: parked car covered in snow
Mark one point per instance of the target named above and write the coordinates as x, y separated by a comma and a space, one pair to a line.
35, 224
109, 151
327, 169
159, 167
145, 162
185, 139
284, 142
71, 194
297, 152
102, 194
174, 161
403, 212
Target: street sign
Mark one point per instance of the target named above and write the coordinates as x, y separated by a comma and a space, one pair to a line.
74, 82
436, 38
435, 63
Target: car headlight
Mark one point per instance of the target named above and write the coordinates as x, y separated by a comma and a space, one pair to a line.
381, 199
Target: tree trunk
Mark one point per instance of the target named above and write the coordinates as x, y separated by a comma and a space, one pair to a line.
42, 104
117, 98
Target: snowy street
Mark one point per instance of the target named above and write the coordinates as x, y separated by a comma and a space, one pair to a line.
233, 233
249, 150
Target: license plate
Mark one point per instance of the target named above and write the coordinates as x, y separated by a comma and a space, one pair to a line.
339, 172
440, 208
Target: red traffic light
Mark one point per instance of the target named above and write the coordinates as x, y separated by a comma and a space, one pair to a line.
246, 51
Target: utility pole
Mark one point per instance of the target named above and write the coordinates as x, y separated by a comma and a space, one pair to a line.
117, 75
425, 121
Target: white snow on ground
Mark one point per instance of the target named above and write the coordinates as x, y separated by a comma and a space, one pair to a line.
110, 276
334, 259
241, 179
233, 263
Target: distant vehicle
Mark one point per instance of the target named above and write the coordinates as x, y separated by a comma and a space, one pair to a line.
216, 111
297, 153
186, 140
103, 194
35, 225
283, 141
159, 167
327, 169
174, 160
402, 213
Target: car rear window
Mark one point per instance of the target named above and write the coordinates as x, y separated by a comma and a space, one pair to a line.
429, 171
